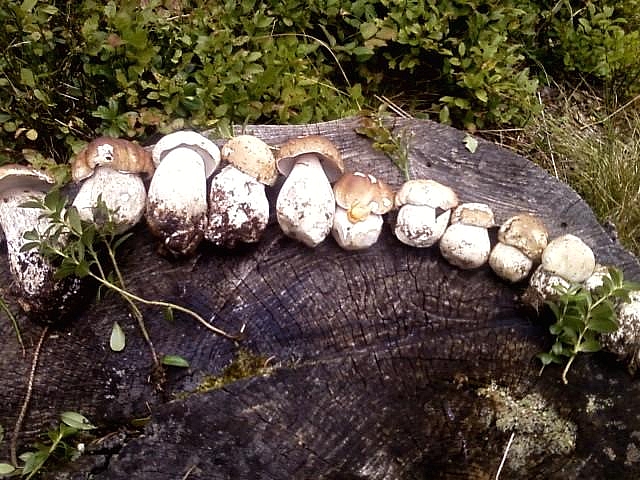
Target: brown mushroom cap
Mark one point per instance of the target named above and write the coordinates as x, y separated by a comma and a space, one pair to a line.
476, 214
527, 233
252, 156
116, 153
21, 177
361, 194
320, 146
422, 192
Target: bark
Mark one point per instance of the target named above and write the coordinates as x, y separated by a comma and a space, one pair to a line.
386, 363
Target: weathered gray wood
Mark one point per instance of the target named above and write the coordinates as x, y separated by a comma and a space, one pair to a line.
379, 356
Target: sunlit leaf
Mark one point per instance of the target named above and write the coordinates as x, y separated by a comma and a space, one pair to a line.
470, 143
6, 469
76, 420
117, 341
175, 361
589, 346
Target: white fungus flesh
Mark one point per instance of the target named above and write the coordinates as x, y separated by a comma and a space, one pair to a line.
177, 201
122, 193
418, 226
306, 206
238, 208
355, 235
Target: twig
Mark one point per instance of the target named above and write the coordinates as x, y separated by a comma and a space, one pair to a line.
27, 398
615, 112
504, 456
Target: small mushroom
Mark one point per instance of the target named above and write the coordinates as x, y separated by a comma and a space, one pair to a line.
238, 204
425, 209
361, 201
465, 243
39, 293
177, 197
114, 177
625, 340
565, 260
118, 154
521, 240
305, 206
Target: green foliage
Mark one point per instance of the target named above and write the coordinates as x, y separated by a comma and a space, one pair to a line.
582, 315
56, 446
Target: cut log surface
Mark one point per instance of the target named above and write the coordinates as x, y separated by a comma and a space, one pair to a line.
386, 363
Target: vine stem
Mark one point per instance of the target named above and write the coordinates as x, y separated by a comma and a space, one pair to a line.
27, 398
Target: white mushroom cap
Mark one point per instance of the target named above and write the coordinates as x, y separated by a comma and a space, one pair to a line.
418, 226
358, 235
252, 156
123, 193
509, 262
238, 208
465, 246
476, 214
426, 192
208, 150
525, 232
570, 258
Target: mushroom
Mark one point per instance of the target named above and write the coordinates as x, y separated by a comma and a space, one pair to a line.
112, 167
521, 240
465, 243
238, 204
39, 293
625, 340
361, 201
565, 260
420, 222
306, 206
177, 197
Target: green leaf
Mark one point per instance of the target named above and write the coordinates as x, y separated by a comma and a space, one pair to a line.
175, 361
589, 346
73, 217
6, 468
34, 461
168, 314
82, 269
32, 204
76, 420
603, 324
547, 358
117, 341
29, 246
120, 241
470, 143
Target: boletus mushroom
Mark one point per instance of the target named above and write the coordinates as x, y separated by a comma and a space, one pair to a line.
361, 200
238, 204
110, 168
465, 243
305, 205
177, 198
38, 292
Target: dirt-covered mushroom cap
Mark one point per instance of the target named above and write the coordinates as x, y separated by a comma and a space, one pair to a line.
428, 193
509, 262
252, 156
361, 194
208, 150
476, 214
569, 257
317, 145
115, 153
527, 233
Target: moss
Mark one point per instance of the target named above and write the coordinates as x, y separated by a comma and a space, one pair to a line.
538, 429
246, 364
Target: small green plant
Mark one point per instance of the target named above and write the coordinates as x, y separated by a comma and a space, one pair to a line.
71, 423
581, 315
75, 247
7, 311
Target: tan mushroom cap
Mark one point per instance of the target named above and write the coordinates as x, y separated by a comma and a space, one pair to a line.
117, 153
476, 214
527, 233
423, 192
361, 194
318, 145
21, 177
252, 156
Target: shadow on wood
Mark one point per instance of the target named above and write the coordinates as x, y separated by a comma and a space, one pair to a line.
384, 364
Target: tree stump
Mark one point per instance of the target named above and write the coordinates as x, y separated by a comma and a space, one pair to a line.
386, 363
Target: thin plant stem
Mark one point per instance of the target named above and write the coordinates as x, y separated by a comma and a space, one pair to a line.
5, 308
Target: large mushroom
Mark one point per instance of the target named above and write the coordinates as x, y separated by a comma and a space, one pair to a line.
177, 197
306, 206
425, 209
238, 204
521, 240
110, 168
465, 243
38, 292
361, 200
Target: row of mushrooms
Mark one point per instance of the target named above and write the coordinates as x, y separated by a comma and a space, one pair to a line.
181, 211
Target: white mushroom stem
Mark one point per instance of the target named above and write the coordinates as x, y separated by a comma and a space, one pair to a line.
123, 193
306, 205
418, 226
238, 208
355, 235
465, 246
32, 271
177, 201
509, 262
